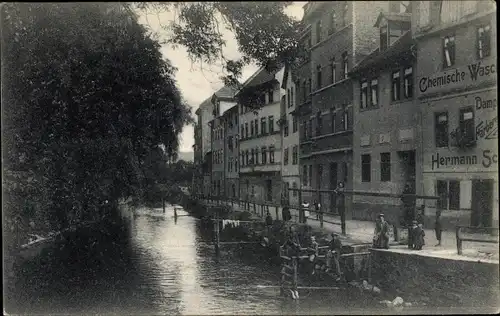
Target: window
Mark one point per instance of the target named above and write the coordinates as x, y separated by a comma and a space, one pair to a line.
285, 158
295, 125
318, 77
333, 118
449, 51
230, 142
271, 124
256, 161
318, 31
467, 125
305, 91
310, 175
263, 125
333, 71
309, 128
264, 155
294, 192
333, 18
385, 167
271, 96
366, 168
246, 130
396, 83
319, 124
304, 175
345, 65
251, 128
310, 85
247, 154
256, 124
374, 92
252, 156
408, 82
291, 96
449, 194
345, 119
288, 97
383, 37
364, 94
304, 130
295, 155
242, 131
483, 41
285, 128
236, 165
271, 154
441, 129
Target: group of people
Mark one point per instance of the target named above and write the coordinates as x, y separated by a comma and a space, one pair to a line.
292, 248
413, 222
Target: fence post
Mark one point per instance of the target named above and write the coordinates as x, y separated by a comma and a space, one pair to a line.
459, 241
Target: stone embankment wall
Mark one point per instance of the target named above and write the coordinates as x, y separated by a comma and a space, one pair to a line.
438, 281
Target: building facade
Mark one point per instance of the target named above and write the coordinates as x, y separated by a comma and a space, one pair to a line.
456, 84
386, 149
221, 101
260, 142
290, 138
202, 148
231, 152
340, 38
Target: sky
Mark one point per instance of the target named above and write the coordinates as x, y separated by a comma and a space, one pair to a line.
198, 82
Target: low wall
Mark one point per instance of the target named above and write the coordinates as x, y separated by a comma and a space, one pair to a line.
438, 282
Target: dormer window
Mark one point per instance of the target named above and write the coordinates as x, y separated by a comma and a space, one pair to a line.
383, 37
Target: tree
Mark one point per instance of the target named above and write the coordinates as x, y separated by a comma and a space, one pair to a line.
264, 32
86, 97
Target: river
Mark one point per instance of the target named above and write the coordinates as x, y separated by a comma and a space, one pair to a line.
164, 266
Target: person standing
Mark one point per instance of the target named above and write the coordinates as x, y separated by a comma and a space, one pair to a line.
381, 235
317, 207
339, 191
333, 255
438, 227
409, 211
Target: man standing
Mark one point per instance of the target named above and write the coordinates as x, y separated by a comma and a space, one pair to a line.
333, 255
339, 191
381, 238
438, 227
317, 208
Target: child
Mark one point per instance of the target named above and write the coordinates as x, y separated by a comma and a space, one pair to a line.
438, 228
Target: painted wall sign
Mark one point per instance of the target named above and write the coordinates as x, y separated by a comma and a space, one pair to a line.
487, 129
487, 159
461, 76
485, 104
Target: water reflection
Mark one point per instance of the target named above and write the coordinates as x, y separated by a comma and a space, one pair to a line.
170, 267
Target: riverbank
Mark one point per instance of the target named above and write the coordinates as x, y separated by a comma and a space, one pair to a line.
420, 277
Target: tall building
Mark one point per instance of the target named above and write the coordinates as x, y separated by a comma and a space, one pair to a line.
221, 101
457, 95
340, 35
231, 152
386, 146
290, 138
260, 141
202, 148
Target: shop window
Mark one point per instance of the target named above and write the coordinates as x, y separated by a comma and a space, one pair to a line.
448, 192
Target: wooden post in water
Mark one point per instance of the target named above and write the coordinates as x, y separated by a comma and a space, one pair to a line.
163, 203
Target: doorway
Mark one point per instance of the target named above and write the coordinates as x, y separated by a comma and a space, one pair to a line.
408, 169
482, 203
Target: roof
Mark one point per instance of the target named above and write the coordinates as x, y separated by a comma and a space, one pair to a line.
401, 17
234, 108
377, 58
226, 92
